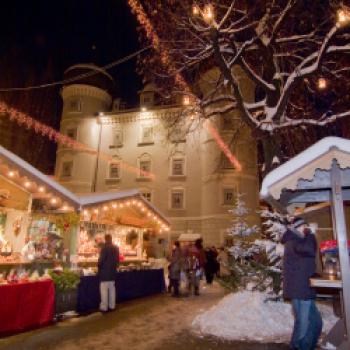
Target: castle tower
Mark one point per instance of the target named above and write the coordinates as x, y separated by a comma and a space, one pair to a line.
83, 99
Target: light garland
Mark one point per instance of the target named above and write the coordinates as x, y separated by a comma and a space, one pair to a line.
135, 203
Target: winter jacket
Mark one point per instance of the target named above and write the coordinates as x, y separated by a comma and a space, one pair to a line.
175, 264
108, 262
298, 265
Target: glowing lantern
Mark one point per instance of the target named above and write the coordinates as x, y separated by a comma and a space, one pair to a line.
208, 13
322, 83
195, 10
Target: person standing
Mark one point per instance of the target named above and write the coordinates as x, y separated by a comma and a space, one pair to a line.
299, 264
196, 261
211, 265
175, 269
107, 264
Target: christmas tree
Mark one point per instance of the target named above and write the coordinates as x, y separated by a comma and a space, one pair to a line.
240, 225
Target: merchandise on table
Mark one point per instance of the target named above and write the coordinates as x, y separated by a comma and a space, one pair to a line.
330, 257
91, 238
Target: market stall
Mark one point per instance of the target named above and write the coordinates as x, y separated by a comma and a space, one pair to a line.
127, 216
130, 285
49, 235
320, 174
26, 305
36, 216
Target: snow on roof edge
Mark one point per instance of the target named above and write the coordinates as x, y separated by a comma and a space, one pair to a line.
77, 200
94, 198
316, 150
38, 174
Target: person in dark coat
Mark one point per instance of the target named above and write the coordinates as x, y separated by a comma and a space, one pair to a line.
107, 265
299, 265
211, 265
195, 263
175, 269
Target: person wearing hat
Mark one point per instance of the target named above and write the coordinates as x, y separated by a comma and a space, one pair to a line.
299, 264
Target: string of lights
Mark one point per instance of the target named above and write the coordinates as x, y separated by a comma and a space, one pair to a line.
78, 77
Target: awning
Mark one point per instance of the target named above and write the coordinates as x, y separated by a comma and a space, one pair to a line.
308, 171
126, 207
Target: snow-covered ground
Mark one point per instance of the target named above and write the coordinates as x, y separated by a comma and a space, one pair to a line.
246, 316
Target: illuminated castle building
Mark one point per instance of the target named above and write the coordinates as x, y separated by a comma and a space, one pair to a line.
185, 175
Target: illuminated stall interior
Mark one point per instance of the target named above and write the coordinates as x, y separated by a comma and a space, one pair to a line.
41, 220
34, 212
126, 215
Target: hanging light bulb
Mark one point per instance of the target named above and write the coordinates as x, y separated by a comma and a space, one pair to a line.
64, 208
41, 189
343, 17
114, 206
85, 212
105, 208
96, 211
322, 83
208, 13
11, 174
186, 100
27, 184
195, 10
53, 200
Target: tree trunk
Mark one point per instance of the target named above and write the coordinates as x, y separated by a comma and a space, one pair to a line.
271, 151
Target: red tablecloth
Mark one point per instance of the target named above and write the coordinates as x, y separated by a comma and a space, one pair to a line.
26, 305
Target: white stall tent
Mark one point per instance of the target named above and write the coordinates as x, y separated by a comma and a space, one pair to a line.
319, 174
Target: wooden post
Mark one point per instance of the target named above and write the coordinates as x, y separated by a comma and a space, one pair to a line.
339, 218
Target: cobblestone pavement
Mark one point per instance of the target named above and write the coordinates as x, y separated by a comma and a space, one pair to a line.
154, 323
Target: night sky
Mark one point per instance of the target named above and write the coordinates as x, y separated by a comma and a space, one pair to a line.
67, 32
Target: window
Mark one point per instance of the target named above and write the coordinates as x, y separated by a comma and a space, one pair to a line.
145, 168
226, 163
147, 194
177, 199
75, 105
177, 168
114, 170
67, 169
228, 196
147, 134
118, 138
177, 135
72, 133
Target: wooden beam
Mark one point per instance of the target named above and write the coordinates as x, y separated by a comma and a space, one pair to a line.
340, 225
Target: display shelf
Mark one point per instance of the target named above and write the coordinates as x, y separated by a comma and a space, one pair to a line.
326, 282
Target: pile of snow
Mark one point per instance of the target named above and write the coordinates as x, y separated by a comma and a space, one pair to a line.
248, 316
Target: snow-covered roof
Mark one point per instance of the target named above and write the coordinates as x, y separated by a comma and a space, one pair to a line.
77, 201
303, 166
95, 198
189, 237
34, 173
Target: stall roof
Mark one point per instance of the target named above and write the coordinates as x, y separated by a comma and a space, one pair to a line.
28, 170
189, 237
303, 166
96, 198
16, 163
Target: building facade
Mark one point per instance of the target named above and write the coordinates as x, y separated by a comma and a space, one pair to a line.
179, 167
